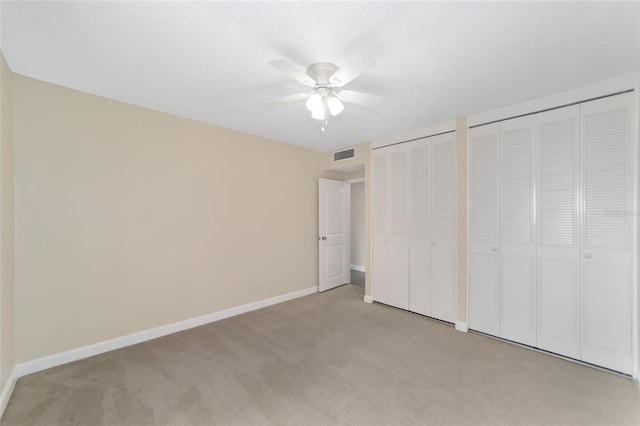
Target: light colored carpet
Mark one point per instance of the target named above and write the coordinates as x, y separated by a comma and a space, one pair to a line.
325, 359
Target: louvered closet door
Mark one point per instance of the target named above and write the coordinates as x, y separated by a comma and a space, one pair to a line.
381, 267
606, 244
419, 289
443, 215
399, 227
483, 272
558, 292
517, 247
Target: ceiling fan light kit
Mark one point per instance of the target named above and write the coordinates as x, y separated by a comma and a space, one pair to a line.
325, 77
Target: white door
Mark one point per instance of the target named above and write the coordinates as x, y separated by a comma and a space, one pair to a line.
606, 245
399, 227
483, 275
391, 226
380, 226
420, 241
558, 258
334, 233
442, 278
517, 245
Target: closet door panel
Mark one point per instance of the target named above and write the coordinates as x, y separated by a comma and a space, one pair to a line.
419, 281
443, 291
419, 290
558, 306
483, 275
399, 228
484, 305
517, 247
380, 227
381, 274
443, 187
558, 290
606, 238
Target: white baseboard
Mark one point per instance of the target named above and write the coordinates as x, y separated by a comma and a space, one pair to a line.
54, 360
358, 268
368, 299
7, 390
462, 326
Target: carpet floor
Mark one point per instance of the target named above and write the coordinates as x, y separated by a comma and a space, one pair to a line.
324, 359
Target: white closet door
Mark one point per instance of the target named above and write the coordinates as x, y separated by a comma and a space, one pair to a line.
399, 227
381, 268
558, 293
483, 265
443, 236
606, 244
419, 291
517, 246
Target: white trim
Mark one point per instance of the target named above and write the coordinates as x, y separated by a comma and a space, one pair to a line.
368, 299
602, 88
355, 180
150, 334
357, 268
424, 132
7, 390
462, 326
635, 136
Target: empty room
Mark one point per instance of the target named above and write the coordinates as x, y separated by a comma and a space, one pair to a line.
319, 213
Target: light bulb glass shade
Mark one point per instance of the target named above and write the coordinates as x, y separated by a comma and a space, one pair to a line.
318, 113
314, 103
334, 105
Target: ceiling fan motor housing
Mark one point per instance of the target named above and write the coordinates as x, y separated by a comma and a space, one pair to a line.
321, 73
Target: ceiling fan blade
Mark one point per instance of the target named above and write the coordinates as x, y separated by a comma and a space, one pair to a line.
293, 72
359, 98
351, 70
288, 99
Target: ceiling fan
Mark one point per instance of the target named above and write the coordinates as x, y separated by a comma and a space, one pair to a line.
327, 81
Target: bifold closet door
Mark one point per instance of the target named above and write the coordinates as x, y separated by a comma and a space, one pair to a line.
381, 268
517, 236
442, 276
399, 228
420, 242
483, 263
606, 245
558, 257
391, 227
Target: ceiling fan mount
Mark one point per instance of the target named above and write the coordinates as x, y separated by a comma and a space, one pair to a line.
321, 73
327, 80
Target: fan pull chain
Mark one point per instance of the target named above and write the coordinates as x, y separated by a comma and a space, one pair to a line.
325, 122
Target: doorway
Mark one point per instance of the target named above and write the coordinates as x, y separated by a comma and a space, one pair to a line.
357, 231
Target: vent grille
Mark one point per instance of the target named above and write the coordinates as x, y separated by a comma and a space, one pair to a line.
344, 155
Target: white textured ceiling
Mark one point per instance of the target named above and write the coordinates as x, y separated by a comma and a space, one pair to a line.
208, 61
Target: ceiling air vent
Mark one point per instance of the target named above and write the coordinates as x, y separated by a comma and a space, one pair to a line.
344, 155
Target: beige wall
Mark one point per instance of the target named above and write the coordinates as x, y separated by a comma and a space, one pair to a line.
332, 170
7, 350
131, 219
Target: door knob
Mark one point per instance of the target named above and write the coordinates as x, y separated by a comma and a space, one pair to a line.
433, 243
324, 238
494, 248
587, 255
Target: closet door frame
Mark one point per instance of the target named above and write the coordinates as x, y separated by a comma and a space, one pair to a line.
613, 87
